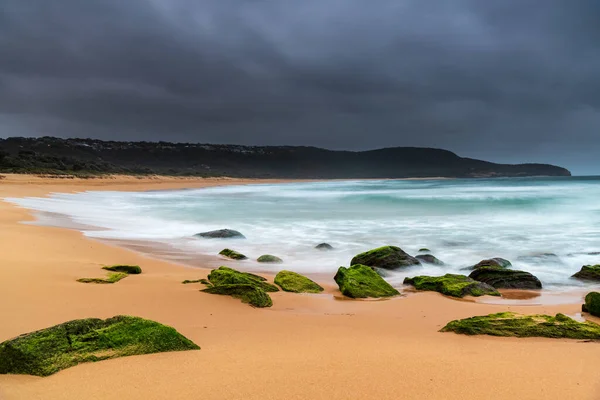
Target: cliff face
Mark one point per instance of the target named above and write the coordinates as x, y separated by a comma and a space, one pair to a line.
87, 156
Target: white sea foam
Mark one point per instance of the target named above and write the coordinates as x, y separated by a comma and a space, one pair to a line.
462, 221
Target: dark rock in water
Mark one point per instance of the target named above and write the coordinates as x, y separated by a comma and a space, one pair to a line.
541, 258
424, 250
249, 294
222, 234
452, 285
293, 282
516, 325
493, 262
502, 278
360, 281
429, 259
387, 257
50, 350
592, 304
268, 258
324, 246
234, 255
588, 273
230, 276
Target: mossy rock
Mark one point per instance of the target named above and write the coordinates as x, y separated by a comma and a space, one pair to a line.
111, 278
592, 304
493, 262
268, 258
249, 294
452, 285
232, 254
387, 257
229, 276
511, 324
502, 278
360, 281
429, 259
293, 282
127, 269
424, 250
50, 350
588, 273
324, 246
222, 234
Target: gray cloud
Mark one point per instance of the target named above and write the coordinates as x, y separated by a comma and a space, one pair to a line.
506, 80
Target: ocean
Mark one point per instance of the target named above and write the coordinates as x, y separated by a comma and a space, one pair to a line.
460, 221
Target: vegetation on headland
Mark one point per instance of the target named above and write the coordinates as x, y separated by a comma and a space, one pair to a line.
293, 282
361, 281
452, 285
50, 350
386, 257
89, 157
511, 324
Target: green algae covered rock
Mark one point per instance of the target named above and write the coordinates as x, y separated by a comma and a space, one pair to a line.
360, 281
452, 285
248, 293
234, 255
592, 304
324, 247
387, 257
493, 262
50, 350
229, 276
424, 250
429, 259
502, 278
127, 269
221, 234
111, 278
268, 258
511, 324
588, 273
293, 282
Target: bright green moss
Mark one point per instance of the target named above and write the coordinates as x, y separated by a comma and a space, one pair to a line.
452, 285
50, 350
588, 273
128, 269
113, 277
268, 258
296, 283
248, 293
387, 257
234, 255
229, 276
360, 281
592, 303
511, 324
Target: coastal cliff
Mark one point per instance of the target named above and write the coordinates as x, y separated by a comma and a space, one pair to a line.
88, 156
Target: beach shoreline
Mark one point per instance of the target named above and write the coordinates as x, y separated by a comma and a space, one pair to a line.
305, 346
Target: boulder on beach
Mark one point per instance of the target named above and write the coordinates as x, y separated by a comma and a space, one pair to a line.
452, 285
293, 282
230, 276
386, 257
324, 246
592, 304
511, 324
502, 278
250, 294
588, 273
493, 262
360, 281
429, 259
268, 258
50, 350
221, 234
232, 254
127, 269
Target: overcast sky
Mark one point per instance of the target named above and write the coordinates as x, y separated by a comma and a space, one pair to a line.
503, 80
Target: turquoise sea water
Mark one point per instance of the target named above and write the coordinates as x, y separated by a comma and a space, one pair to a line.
461, 221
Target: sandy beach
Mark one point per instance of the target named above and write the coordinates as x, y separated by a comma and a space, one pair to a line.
304, 347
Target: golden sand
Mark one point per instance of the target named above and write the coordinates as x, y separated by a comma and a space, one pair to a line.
304, 347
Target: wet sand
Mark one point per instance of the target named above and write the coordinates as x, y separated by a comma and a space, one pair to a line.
304, 347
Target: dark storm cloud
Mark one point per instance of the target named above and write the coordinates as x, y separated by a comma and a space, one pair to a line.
510, 80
